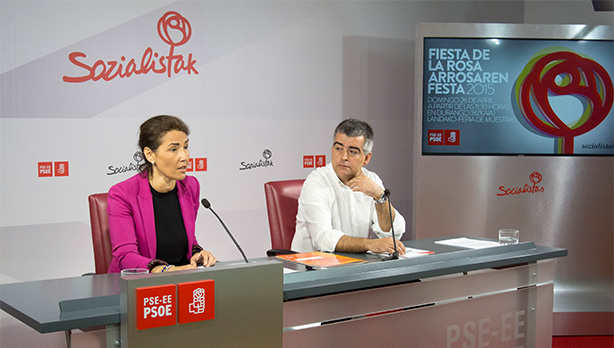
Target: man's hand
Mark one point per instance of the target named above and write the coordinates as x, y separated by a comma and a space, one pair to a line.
364, 184
384, 245
360, 245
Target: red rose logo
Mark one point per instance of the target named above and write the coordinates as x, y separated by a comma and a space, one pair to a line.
174, 29
535, 177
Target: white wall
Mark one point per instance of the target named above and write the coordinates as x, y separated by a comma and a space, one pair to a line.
271, 75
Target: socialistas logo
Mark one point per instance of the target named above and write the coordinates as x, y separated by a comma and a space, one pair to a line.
558, 71
137, 157
532, 188
173, 29
267, 162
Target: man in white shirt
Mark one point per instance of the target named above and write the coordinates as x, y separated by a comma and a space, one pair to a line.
342, 203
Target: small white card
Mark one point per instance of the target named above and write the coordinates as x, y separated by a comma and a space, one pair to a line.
468, 243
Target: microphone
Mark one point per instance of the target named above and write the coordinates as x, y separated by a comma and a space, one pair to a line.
207, 205
395, 254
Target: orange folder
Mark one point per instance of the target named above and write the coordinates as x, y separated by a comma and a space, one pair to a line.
319, 259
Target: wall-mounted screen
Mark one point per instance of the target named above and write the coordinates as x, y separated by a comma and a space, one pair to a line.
517, 96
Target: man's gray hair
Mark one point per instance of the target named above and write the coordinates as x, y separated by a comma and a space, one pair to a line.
355, 128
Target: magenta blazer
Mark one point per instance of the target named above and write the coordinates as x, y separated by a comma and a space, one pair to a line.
132, 224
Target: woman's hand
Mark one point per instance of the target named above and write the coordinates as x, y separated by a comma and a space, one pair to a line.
171, 268
206, 258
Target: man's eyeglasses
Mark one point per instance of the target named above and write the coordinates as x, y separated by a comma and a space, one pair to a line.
352, 152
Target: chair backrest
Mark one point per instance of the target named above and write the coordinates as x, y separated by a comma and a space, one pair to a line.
99, 218
282, 206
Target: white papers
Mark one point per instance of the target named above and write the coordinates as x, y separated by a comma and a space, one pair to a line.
468, 243
409, 253
288, 270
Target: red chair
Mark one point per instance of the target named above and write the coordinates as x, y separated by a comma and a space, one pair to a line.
282, 207
99, 218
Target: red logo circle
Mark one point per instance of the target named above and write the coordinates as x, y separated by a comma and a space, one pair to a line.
535, 177
174, 29
565, 73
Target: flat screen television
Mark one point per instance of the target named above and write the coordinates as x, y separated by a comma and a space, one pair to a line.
515, 89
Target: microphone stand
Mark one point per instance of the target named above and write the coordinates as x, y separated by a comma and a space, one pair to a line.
207, 205
395, 254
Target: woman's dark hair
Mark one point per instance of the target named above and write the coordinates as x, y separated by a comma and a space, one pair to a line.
152, 131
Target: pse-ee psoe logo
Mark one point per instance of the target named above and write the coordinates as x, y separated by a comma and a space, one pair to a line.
173, 304
197, 164
50, 169
314, 161
174, 30
448, 137
558, 71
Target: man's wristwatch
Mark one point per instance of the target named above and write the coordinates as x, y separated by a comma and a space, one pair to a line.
382, 199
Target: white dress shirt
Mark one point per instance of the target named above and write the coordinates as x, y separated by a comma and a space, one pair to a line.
328, 209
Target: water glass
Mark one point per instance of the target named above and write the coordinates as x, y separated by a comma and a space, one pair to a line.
134, 271
508, 236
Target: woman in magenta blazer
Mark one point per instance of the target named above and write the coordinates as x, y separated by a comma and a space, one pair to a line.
152, 215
